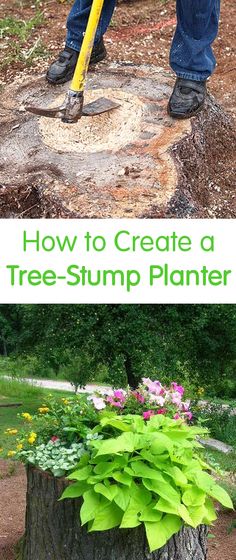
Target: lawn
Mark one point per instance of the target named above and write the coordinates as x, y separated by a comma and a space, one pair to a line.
30, 397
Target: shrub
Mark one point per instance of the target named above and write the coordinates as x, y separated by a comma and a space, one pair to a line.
149, 474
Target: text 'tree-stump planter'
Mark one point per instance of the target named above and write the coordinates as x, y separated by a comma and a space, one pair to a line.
53, 531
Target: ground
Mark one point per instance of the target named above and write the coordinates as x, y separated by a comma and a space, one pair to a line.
140, 33
13, 487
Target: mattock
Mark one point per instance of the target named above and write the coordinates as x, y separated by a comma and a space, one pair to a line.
73, 108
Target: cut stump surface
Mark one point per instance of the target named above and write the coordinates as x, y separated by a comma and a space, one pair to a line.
134, 161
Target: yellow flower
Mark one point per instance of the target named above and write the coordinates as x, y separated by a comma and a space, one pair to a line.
32, 437
19, 446
201, 391
27, 416
11, 453
1, 449
11, 432
65, 401
43, 409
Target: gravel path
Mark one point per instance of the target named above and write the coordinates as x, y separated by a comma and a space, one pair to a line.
62, 385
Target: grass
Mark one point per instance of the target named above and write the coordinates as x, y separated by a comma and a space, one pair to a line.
31, 397
19, 43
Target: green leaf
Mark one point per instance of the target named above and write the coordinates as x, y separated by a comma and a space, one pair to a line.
115, 423
144, 471
160, 444
80, 474
207, 483
90, 506
140, 495
108, 492
164, 490
105, 468
107, 517
210, 513
125, 442
122, 498
74, 490
122, 477
176, 473
197, 515
194, 496
130, 518
150, 514
160, 532
221, 496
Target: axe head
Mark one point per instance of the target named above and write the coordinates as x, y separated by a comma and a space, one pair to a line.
73, 108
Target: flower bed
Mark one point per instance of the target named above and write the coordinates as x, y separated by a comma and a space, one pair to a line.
132, 457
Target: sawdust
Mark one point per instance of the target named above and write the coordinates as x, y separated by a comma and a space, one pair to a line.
109, 131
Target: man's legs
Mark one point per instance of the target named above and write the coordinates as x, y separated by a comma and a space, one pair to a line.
62, 69
78, 19
191, 55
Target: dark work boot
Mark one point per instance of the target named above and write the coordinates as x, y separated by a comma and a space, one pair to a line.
187, 98
63, 68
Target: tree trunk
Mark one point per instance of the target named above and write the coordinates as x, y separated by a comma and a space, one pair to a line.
53, 531
131, 379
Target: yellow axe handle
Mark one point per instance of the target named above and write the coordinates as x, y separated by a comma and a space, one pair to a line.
81, 69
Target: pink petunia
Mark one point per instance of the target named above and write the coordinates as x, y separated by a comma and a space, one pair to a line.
147, 415
177, 416
188, 415
54, 438
119, 394
162, 411
178, 388
140, 398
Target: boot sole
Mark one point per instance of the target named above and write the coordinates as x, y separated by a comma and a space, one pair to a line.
69, 76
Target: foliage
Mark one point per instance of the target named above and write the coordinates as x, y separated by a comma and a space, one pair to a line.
219, 419
149, 474
54, 456
195, 344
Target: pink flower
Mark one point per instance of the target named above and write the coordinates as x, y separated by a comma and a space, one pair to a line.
140, 398
178, 388
99, 403
153, 386
161, 411
177, 416
119, 394
54, 438
117, 404
188, 415
147, 415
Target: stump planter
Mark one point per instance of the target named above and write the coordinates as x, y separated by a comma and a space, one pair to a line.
53, 531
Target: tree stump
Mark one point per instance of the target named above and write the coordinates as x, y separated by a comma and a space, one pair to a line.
53, 531
133, 162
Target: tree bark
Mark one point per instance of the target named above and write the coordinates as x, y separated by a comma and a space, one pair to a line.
53, 531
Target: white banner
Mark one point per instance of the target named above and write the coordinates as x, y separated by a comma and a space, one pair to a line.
118, 261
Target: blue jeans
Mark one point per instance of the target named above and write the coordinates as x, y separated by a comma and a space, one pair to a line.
191, 54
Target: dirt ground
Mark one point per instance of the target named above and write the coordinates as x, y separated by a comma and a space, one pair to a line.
141, 32
12, 510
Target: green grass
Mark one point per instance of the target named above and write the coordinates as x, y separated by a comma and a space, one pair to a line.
225, 461
31, 397
18, 36
21, 29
